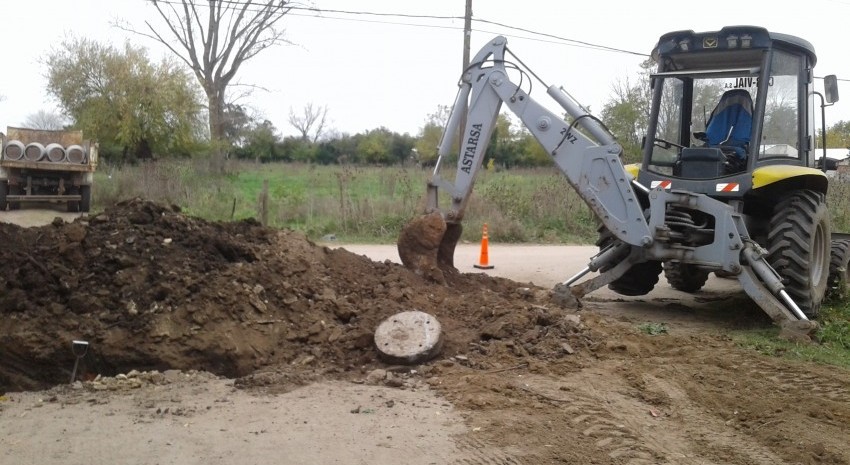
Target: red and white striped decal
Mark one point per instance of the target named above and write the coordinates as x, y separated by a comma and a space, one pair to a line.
728, 187
662, 184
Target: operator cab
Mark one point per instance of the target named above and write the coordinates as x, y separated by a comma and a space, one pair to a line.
726, 102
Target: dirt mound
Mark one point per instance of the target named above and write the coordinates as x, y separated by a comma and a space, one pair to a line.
153, 289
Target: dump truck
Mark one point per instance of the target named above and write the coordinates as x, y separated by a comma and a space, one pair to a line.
46, 166
728, 182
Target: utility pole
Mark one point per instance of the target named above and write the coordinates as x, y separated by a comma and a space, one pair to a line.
467, 35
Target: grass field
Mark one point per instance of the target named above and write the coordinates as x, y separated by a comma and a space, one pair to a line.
370, 204
362, 204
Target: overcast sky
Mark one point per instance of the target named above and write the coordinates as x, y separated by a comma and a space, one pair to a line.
392, 71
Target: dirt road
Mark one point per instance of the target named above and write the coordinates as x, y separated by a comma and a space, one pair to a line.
520, 380
38, 214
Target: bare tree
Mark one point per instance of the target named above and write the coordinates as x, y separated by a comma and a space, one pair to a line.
312, 119
44, 120
215, 40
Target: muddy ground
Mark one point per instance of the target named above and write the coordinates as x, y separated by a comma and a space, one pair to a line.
173, 304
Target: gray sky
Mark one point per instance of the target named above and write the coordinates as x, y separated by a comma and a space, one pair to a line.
393, 71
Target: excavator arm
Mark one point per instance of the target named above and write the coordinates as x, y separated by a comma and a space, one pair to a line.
593, 168
589, 157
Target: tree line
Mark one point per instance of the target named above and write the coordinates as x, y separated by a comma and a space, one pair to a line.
139, 109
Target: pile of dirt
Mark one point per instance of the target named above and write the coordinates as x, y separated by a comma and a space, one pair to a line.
153, 289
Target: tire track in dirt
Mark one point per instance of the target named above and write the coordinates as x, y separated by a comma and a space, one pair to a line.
695, 429
602, 407
587, 412
804, 383
474, 451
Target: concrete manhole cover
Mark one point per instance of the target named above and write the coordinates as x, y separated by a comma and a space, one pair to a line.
408, 338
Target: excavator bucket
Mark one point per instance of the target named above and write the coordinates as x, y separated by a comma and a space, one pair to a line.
426, 245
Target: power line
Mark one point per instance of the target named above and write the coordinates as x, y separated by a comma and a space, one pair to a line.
565, 39
375, 21
318, 14
236, 4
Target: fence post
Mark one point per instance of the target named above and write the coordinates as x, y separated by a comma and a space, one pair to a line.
264, 203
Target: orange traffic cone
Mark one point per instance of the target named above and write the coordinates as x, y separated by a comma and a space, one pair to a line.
484, 258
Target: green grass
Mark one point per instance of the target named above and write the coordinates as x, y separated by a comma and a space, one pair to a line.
653, 329
832, 345
356, 204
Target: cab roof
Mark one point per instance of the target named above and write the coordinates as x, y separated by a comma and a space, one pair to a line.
727, 41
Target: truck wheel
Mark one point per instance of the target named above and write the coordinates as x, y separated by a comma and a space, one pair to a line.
73, 206
839, 278
640, 279
15, 190
798, 247
684, 276
4, 189
85, 198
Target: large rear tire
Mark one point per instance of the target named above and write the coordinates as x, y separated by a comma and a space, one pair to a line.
4, 190
73, 206
15, 190
85, 198
684, 276
798, 247
640, 279
839, 277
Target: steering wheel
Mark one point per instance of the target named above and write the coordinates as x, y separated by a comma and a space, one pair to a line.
666, 144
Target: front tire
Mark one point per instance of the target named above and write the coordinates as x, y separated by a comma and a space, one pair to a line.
839, 277
640, 279
684, 276
798, 247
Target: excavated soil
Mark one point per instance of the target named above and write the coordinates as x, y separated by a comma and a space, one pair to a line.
152, 289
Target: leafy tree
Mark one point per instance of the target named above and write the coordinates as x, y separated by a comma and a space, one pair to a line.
133, 107
345, 148
401, 148
531, 152
374, 147
430, 135
237, 124
296, 149
216, 40
327, 153
838, 135
627, 111
260, 143
502, 149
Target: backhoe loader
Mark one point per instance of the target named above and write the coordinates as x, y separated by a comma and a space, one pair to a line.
727, 182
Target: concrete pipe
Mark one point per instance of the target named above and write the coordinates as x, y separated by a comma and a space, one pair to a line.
34, 151
14, 150
55, 152
75, 154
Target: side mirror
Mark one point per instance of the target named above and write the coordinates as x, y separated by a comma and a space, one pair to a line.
830, 88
